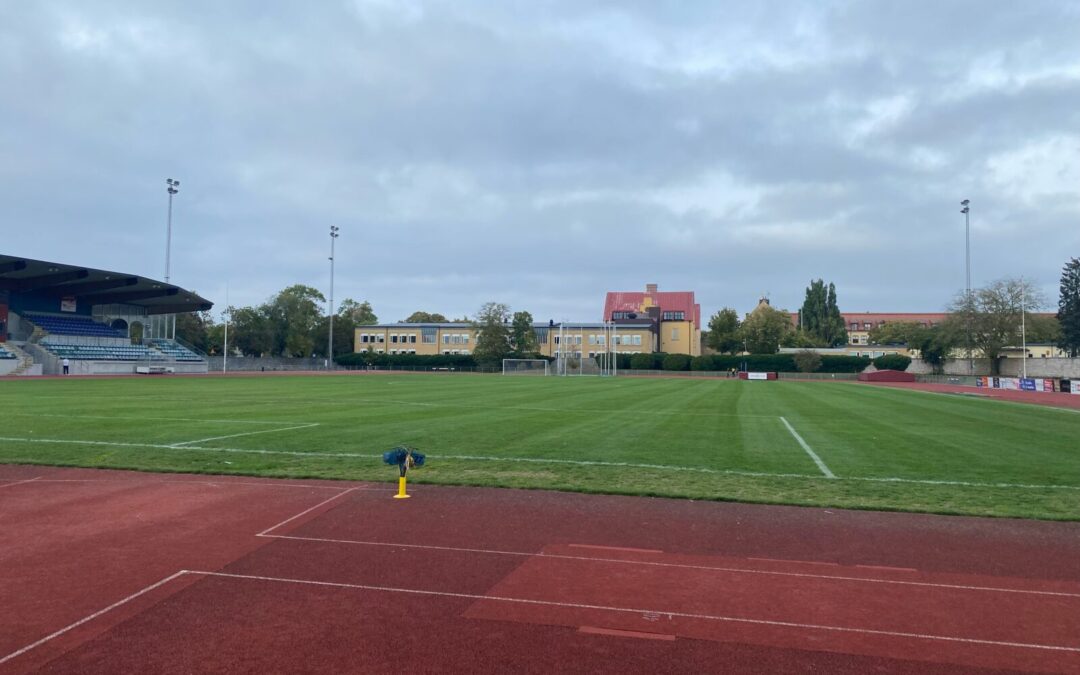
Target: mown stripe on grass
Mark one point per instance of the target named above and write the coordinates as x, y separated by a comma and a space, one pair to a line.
537, 460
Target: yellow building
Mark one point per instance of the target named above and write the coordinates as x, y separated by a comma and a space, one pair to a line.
673, 316
553, 339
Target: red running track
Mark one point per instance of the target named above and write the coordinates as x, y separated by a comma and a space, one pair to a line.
1053, 399
107, 571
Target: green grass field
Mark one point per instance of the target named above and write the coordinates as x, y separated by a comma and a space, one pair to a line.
701, 439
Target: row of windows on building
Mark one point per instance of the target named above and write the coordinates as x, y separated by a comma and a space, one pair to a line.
592, 355
410, 338
869, 325
446, 352
599, 340
666, 316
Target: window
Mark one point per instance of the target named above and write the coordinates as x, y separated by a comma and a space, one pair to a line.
363, 337
556, 339
412, 339
674, 316
674, 334
465, 339
636, 340
601, 340
446, 339
854, 325
381, 338
867, 326
616, 316
393, 338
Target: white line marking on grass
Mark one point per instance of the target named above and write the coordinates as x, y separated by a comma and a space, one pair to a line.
710, 568
813, 455
92, 616
538, 460
20, 482
684, 615
305, 512
247, 433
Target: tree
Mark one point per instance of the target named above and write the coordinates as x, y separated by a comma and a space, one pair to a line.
764, 328
425, 317
360, 313
992, 316
820, 315
723, 333
492, 333
1069, 307
896, 333
250, 331
522, 335
193, 328
295, 314
807, 360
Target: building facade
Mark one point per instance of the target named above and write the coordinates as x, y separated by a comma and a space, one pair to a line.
673, 316
576, 340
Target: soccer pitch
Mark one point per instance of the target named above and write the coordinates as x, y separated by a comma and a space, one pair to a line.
809, 443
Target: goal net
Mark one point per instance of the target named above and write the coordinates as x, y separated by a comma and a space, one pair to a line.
525, 367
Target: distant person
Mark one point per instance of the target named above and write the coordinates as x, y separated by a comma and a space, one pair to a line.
67, 366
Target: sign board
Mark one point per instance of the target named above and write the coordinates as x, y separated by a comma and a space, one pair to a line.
1027, 384
757, 376
68, 304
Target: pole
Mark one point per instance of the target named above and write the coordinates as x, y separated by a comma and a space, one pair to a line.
172, 187
1023, 325
225, 351
615, 349
966, 203
330, 347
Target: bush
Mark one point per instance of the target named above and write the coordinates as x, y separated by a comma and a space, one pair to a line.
844, 364
643, 362
676, 362
892, 362
362, 359
807, 361
705, 362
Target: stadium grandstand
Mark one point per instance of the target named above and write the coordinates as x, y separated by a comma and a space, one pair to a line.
102, 322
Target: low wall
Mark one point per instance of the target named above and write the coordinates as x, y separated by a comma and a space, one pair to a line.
267, 363
1059, 368
8, 365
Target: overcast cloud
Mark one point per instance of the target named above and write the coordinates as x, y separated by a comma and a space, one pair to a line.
541, 154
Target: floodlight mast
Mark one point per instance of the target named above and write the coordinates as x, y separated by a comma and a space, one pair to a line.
330, 348
966, 210
172, 187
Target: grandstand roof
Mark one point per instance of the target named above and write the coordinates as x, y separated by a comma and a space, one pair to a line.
96, 287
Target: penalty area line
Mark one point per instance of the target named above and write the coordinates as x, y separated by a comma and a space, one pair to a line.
813, 455
246, 433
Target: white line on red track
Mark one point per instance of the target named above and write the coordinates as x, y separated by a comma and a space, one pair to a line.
202, 482
20, 482
93, 616
649, 563
629, 610
304, 512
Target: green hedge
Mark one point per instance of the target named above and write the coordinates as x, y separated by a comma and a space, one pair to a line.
892, 362
362, 359
676, 362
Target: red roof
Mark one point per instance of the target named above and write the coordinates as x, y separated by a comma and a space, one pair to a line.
668, 301
875, 318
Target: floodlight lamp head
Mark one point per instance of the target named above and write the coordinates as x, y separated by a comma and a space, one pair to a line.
965, 202
964, 210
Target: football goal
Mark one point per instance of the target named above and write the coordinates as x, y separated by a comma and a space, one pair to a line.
525, 367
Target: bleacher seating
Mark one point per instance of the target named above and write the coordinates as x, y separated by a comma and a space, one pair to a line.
175, 350
5, 354
72, 325
105, 352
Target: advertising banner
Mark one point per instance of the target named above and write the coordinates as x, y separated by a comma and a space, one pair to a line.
1027, 384
757, 376
67, 304
1047, 385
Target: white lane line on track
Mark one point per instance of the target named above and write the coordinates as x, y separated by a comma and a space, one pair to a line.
647, 563
628, 610
20, 482
537, 460
246, 433
305, 512
93, 616
813, 455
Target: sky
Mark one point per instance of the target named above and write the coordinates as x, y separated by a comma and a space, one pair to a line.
543, 153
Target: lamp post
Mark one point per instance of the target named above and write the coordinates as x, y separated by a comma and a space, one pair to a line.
330, 348
172, 187
966, 210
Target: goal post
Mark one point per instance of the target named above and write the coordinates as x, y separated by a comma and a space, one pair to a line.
525, 367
